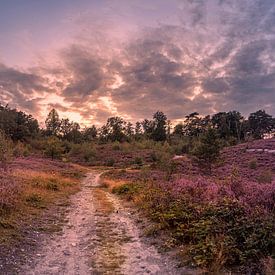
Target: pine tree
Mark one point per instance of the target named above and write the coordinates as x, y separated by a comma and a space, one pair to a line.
208, 149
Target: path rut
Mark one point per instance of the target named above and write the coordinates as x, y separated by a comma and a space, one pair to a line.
100, 237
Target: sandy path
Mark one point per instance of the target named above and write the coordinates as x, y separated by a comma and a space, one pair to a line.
99, 238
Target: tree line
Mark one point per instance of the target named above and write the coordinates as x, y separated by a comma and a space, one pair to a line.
231, 126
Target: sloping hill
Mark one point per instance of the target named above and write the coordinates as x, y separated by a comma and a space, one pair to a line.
251, 160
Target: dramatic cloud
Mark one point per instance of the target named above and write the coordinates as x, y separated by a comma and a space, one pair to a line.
22, 89
204, 56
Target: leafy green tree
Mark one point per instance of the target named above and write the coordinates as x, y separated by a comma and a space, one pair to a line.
260, 123
103, 134
129, 130
230, 124
208, 149
193, 125
18, 125
114, 130
52, 123
90, 134
148, 127
66, 126
138, 128
159, 132
168, 130
74, 135
179, 130
5, 150
235, 122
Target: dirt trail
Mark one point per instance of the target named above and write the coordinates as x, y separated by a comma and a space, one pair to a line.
99, 238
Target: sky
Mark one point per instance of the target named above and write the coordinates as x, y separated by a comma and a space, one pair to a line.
93, 59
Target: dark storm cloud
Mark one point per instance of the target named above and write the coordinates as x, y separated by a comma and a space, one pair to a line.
20, 88
85, 73
154, 76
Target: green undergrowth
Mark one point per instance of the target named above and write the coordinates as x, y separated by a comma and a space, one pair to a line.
215, 237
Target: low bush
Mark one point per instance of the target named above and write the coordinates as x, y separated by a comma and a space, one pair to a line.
5, 150
54, 148
116, 146
253, 164
217, 234
127, 190
21, 150
138, 161
83, 153
51, 185
9, 192
35, 200
219, 224
265, 177
110, 162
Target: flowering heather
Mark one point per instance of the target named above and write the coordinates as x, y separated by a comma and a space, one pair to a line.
239, 158
9, 191
219, 224
203, 191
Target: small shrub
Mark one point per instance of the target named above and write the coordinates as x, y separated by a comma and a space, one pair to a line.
21, 150
153, 156
9, 192
110, 162
253, 164
181, 148
35, 200
54, 148
152, 230
265, 177
216, 224
5, 150
116, 146
84, 152
52, 186
207, 150
138, 161
127, 190
122, 190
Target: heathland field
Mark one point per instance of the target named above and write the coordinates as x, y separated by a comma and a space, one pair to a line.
191, 200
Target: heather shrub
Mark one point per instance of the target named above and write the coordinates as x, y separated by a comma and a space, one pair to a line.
52, 185
9, 192
219, 223
225, 234
110, 162
153, 156
35, 200
116, 146
5, 150
127, 190
127, 147
265, 177
253, 164
138, 161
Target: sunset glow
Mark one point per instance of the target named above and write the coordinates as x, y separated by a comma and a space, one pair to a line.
94, 59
